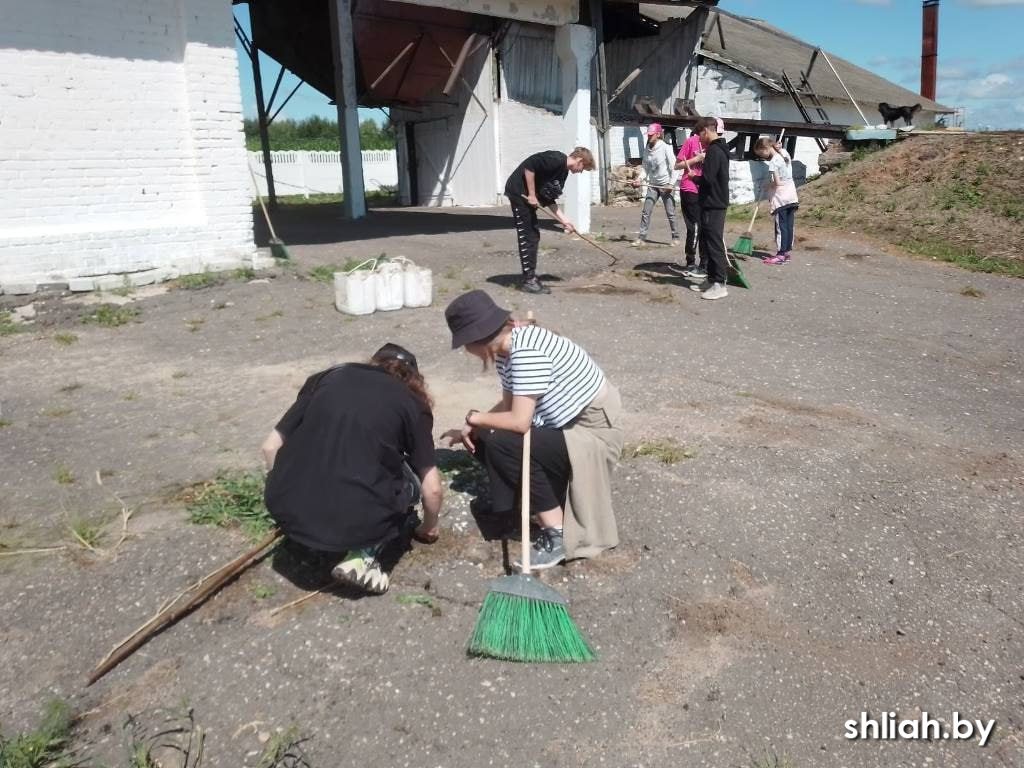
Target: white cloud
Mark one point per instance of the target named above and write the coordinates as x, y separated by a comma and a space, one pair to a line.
873, 2
990, 3
993, 86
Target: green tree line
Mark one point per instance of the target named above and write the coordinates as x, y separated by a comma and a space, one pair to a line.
317, 134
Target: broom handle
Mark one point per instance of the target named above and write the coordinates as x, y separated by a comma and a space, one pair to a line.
757, 203
263, 207
525, 501
210, 584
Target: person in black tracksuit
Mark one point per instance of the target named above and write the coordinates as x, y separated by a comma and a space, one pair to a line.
537, 181
713, 192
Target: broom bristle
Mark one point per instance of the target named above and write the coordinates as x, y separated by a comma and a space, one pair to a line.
522, 629
278, 249
745, 245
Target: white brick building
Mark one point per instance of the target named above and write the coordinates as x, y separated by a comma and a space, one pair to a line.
121, 144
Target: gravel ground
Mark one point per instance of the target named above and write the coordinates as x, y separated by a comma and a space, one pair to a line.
846, 538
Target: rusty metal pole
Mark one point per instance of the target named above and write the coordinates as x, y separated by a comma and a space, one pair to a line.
929, 47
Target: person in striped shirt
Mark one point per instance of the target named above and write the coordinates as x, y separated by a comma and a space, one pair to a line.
552, 387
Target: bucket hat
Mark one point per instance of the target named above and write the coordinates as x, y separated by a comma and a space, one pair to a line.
473, 316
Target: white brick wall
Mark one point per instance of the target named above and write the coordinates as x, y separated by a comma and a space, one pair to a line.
121, 143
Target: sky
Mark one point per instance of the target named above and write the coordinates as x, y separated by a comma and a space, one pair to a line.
981, 55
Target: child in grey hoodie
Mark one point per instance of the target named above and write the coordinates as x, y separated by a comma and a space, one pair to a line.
659, 165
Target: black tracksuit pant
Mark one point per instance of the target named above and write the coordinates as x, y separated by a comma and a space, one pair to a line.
712, 244
502, 453
527, 235
691, 215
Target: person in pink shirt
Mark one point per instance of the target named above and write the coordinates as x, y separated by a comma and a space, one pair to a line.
689, 161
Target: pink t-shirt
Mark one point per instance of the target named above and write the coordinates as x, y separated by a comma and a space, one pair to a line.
691, 148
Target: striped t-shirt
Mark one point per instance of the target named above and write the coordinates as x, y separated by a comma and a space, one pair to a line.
556, 371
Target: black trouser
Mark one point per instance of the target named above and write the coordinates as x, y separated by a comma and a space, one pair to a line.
691, 215
712, 244
502, 453
527, 233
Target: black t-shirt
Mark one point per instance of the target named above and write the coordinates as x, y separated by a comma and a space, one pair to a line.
550, 173
337, 481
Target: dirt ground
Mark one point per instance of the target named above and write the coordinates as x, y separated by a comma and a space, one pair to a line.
931, 192
846, 538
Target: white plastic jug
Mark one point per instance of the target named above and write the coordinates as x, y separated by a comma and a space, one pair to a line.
419, 286
355, 293
390, 288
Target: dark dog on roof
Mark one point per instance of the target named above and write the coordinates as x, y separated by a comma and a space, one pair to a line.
891, 114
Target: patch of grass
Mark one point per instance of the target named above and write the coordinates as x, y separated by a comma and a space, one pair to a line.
111, 315
63, 475
263, 591
453, 273
86, 533
665, 450
739, 213
194, 324
972, 292
964, 257
271, 316
48, 746
71, 387
863, 150
362, 264
425, 600
180, 374
130, 396
245, 273
4, 423
220, 305
230, 501
768, 759
125, 289
7, 326
324, 273
58, 413
284, 749
65, 339
462, 472
194, 282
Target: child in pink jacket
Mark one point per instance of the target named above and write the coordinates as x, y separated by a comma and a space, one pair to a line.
783, 202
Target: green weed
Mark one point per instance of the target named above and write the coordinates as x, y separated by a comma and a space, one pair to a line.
462, 472
87, 533
245, 273
964, 257
425, 600
665, 450
196, 281
4, 423
194, 324
65, 339
324, 273
271, 316
263, 591
769, 759
180, 375
230, 501
58, 413
111, 315
283, 749
63, 475
7, 326
130, 396
71, 387
48, 746
972, 292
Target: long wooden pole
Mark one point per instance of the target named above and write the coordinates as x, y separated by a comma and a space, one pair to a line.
852, 100
583, 237
171, 613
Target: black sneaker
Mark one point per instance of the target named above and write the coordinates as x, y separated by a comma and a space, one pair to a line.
533, 285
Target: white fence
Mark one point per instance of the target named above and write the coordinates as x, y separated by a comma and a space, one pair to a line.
311, 173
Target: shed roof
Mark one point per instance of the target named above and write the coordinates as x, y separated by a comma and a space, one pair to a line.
759, 50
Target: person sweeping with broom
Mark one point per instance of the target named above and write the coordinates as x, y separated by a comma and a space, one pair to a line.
348, 461
553, 390
784, 201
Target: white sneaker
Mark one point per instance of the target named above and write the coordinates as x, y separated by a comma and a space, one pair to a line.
637, 243
716, 291
700, 287
675, 242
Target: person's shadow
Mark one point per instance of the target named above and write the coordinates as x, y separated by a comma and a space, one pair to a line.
467, 475
664, 273
513, 281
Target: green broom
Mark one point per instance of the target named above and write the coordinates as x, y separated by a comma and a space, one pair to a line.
277, 247
745, 245
734, 275
523, 619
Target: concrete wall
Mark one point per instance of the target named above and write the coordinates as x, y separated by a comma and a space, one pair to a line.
122, 139
455, 152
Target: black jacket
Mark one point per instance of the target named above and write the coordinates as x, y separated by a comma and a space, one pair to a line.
713, 183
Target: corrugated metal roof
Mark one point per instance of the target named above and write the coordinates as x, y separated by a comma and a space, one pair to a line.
756, 48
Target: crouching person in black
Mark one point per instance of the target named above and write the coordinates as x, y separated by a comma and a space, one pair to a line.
351, 458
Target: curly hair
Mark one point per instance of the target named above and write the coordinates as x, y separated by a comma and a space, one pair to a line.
408, 376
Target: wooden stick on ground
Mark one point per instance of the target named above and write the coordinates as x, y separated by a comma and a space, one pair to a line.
171, 613
606, 252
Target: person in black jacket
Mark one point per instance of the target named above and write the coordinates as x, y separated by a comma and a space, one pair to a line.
350, 458
537, 181
713, 194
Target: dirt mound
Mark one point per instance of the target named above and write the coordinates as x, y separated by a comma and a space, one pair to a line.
954, 197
